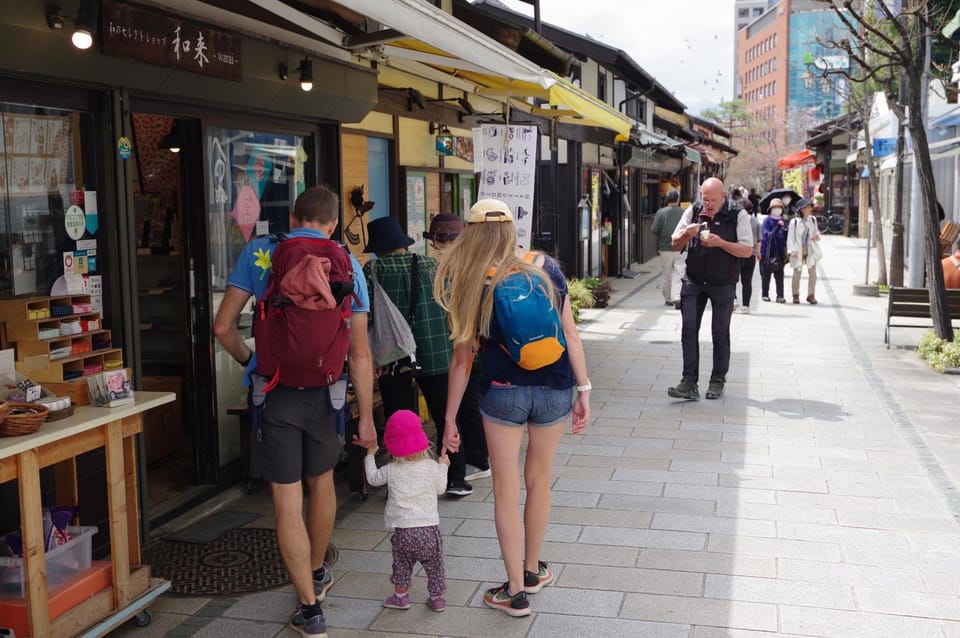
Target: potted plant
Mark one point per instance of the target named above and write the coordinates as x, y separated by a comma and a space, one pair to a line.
600, 289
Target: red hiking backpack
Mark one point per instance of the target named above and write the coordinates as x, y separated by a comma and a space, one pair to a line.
302, 325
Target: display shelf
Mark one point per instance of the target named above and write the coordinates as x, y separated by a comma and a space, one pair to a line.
18, 331
41, 368
35, 308
48, 347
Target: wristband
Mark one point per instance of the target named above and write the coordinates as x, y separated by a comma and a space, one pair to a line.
245, 363
584, 388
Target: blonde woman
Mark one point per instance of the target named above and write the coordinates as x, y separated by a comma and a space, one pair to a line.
803, 239
512, 397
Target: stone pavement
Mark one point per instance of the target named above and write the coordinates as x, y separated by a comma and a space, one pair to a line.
817, 498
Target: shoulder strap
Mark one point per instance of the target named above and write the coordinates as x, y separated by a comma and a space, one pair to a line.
530, 258
414, 290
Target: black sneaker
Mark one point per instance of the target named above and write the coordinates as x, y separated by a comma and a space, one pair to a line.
459, 488
685, 390
322, 581
515, 605
535, 581
715, 389
766, 298
308, 620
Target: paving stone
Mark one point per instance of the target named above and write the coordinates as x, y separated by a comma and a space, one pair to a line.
655, 476
669, 453
631, 580
657, 504
723, 446
469, 544
924, 605
721, 468
178, 605
353, 613
938, 582
677, 434
613, 518
835, 502
725, 632
932, 541
230, 628
780, 484
774, 547
777, 512
583, 473
611, 462
700, 611
469, 622
766, 590
845, 536
163, 622
567, 553
707, 562
553, 625
464, 509
344, 538
642, 538
828, 623
376, 587
616, 486
267, 606
731, 494
487, 529
713, 524
850, 574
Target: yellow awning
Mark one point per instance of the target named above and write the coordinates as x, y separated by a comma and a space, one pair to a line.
571, 104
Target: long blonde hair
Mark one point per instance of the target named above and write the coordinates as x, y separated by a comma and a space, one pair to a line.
461, 277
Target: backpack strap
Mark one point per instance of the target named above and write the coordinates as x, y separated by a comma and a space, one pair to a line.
414, 290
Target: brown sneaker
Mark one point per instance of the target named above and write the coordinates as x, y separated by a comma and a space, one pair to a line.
796, 299
811, 300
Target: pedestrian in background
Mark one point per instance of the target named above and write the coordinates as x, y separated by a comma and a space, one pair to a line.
773, 250
803, 239
513, 398
749, 264
444, 228
671, 262
716, 237
413, 482
408, 282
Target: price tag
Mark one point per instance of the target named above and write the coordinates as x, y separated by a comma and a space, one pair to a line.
33, 393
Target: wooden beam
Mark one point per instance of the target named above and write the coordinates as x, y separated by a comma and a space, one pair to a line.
117, 508
65, 478
133, 511
31, 527
370, 39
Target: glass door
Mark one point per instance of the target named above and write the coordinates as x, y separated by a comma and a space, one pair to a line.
252, 181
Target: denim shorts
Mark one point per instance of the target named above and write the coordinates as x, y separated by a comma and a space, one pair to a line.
520, 404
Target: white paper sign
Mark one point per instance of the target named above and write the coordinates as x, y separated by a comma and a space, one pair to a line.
263, 228
509, 172
88, 245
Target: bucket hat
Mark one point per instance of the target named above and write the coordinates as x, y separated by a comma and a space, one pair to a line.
489, 210
802, 203
404, 434
386, 235
444, 227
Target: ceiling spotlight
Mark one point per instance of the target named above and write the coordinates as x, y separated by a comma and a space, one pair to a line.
171, 141
85, 24
306, 74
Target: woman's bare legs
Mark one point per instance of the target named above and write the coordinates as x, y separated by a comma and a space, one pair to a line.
503, 445
541, 448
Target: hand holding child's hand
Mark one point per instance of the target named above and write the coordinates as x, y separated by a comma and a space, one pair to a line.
373, 447
444, 459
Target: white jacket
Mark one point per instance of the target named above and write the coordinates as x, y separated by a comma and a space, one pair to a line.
794, 234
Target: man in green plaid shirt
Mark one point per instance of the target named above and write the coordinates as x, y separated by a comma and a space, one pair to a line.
397, 381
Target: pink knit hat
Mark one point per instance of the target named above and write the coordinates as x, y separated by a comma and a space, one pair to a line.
404, 435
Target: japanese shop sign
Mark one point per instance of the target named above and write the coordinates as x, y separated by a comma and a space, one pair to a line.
170, 41
508, 171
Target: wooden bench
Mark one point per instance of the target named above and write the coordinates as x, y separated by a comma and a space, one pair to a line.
914, 303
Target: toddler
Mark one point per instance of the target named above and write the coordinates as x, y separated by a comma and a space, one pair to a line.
413, 482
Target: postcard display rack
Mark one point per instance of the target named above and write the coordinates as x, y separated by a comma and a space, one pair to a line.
59, 342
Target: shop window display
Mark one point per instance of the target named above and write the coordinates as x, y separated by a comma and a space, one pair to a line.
42, 173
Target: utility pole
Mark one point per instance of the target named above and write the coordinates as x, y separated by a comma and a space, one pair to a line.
896, 242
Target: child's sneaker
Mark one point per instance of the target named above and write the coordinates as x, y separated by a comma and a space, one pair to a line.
322, 581
515, 605
437, 603
397, 601
535, 581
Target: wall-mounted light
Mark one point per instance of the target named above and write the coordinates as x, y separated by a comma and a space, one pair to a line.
444, 143
306, 74
84, 23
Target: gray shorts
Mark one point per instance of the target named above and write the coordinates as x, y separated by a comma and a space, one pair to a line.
298, 437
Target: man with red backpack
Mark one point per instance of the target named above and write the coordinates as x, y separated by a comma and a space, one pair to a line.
294, 437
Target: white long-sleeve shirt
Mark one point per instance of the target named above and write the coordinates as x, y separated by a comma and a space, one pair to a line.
412, 490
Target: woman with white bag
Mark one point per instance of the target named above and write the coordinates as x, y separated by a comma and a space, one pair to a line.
803, 246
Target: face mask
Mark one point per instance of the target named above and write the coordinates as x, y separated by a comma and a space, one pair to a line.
776, 212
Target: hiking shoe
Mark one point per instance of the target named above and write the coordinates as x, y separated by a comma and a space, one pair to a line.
322, 581
715, 389
812, 300
668, 303
437, 603
459, 488
474, 473
796, 299
765, 298
307, 623
535, 581
515, 605
744, 310
781, 300
397, 601
685, 390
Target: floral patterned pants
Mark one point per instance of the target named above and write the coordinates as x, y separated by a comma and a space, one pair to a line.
418, 544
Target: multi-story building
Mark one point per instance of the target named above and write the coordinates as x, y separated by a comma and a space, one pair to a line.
745, 12
781, 59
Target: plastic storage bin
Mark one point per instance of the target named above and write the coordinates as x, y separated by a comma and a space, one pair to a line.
63, 562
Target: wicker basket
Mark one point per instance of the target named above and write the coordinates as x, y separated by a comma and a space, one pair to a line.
21, 424
56, 415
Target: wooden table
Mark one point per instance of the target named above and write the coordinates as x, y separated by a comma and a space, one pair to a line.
58, 444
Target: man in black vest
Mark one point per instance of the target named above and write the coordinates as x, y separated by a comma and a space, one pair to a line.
716, 234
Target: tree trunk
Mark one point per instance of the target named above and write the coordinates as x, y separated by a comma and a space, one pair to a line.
875, 201
934, 271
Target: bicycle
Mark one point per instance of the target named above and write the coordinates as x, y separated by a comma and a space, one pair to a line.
835, 223
823, 224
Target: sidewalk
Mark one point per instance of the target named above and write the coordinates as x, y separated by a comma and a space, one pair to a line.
815, 499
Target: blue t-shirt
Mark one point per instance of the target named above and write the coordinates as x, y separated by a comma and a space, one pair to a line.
252, 271
496, 364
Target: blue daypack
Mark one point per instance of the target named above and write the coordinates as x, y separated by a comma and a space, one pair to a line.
528, 319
